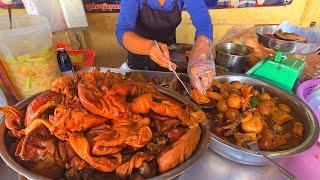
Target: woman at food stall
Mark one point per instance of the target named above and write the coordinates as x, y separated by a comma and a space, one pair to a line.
142, 21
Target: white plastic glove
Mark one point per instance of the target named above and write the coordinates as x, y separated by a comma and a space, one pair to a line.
201, 67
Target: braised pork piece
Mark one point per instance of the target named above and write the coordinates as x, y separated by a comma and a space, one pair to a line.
286, 36
102, 125
244, 114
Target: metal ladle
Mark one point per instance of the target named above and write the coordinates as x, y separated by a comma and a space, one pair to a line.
254, 146
10, 16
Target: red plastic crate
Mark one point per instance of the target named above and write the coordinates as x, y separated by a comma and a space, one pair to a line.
84, 57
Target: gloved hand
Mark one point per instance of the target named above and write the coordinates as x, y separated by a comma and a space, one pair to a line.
162, 59
201, 67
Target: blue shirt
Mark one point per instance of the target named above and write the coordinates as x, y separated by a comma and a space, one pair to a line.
196, 8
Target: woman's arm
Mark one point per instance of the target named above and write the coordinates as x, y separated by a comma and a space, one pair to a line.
125, 29
133, 42
200, 17
201, 68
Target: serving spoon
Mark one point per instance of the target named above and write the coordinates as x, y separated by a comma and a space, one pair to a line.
10, 15
210, 105
171, 69
254, 146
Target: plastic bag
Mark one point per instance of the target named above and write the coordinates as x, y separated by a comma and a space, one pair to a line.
50, 9
312, 66
74, 14
247, 36
201, 67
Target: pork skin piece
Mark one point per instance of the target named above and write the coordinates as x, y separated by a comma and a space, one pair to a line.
182, 149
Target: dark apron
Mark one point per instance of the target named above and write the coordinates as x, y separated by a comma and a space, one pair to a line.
154, 25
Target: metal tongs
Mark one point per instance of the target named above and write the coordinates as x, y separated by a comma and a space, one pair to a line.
171, 69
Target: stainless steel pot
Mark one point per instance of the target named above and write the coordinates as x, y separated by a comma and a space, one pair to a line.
232, 56
175, 172
247, 156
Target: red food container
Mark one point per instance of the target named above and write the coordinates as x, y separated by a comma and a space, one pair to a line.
81, 58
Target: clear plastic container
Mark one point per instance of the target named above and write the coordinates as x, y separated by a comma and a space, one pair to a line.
27, 55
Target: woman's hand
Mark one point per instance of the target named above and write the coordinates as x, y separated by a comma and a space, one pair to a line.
201, 68
162, 59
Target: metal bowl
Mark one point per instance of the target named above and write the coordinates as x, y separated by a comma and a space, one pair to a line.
175, 172
285, 46
232, 56
247, 156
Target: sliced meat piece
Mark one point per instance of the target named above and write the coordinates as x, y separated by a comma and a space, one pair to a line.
176, 133
270, 141
298, 129
289, 36
181, 150
148, 169
140, 139
39, 152
40, 104
242, 138
82, 147
280, 117
136, 161
199, 98
69, 119
65, 151
167, 125
112, 107
38, 144
109, 142
14, 120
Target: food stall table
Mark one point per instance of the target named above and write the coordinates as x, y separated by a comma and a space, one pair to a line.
213, 166
209, 166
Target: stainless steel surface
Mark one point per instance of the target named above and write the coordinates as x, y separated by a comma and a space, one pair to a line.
232, 56
208, 166
10, 15
221, 70
286, 46
254, 146
7, 173
213, 166
302, 111
201, 148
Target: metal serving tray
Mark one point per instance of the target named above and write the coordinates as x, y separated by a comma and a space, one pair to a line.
247, 156
174, 173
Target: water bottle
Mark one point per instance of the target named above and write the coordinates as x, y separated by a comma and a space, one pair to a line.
64, 60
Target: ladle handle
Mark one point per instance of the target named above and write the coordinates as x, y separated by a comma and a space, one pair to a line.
285, 172
10, 15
